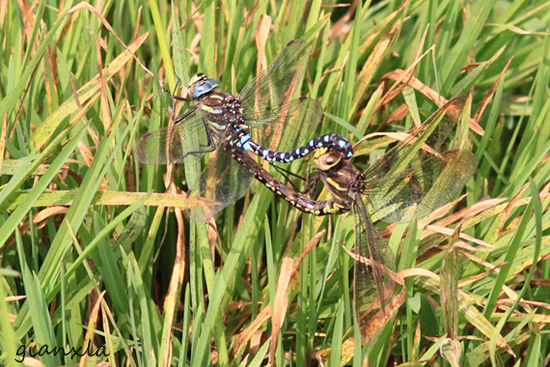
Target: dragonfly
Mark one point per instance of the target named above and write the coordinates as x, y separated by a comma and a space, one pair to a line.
264, 120
410, 180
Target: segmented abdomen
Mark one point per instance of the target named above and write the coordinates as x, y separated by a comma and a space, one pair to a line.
244, 141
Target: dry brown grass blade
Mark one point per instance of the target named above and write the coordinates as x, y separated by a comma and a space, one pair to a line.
97, 13
397, 114
341, 27
526, 265
440, 212
280, 305
265, 314
257, 340
449, 287
36, 220
170, 306
260, 35
371, 66
3, 139
87, 91
491, 269
400, 84
248, 333
310, 245
109, 198
213, 236
508, 209
527, 303
491, 92
105, 110
399, 75
91, 326
432, 229
370, 329
465, 303
481, 207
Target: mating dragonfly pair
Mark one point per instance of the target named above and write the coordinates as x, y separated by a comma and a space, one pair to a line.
410, 180
264, 120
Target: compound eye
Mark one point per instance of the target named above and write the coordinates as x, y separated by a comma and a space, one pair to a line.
328, 160
332, 159
202, 85
202, 88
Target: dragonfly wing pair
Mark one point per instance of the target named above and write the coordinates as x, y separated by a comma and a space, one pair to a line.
174, 143
410, 179
265, 107
277, 121
413, 178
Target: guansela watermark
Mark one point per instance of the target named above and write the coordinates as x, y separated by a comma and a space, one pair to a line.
47, 350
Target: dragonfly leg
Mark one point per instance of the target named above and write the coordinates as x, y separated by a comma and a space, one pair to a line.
178, 98
311, 183
173, 95
285, 172
182, 117
210, 145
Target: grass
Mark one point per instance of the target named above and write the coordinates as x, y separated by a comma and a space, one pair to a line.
85, 258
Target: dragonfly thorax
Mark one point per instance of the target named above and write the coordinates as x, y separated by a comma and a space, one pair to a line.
221, 110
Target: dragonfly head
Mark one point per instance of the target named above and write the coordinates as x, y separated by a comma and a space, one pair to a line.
338, 174
200, 85
327, 159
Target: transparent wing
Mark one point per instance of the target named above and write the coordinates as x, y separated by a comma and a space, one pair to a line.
278, 83
423, 188
371, 283
281, 123
172, 145
286, 126
221, 183
412, 179
224, 180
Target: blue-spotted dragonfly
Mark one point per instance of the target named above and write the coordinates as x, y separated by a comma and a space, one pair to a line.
264, 119
409, 180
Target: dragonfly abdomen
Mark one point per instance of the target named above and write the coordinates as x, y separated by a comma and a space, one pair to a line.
332, 140
300, 202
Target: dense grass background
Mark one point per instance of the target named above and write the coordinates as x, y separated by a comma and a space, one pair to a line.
87, 256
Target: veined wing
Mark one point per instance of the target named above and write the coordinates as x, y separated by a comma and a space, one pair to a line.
225, 180
266, 98
410, 180
172, 145
279, 81
222, 182
285, 126
282, 123
421, 188
371, 282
